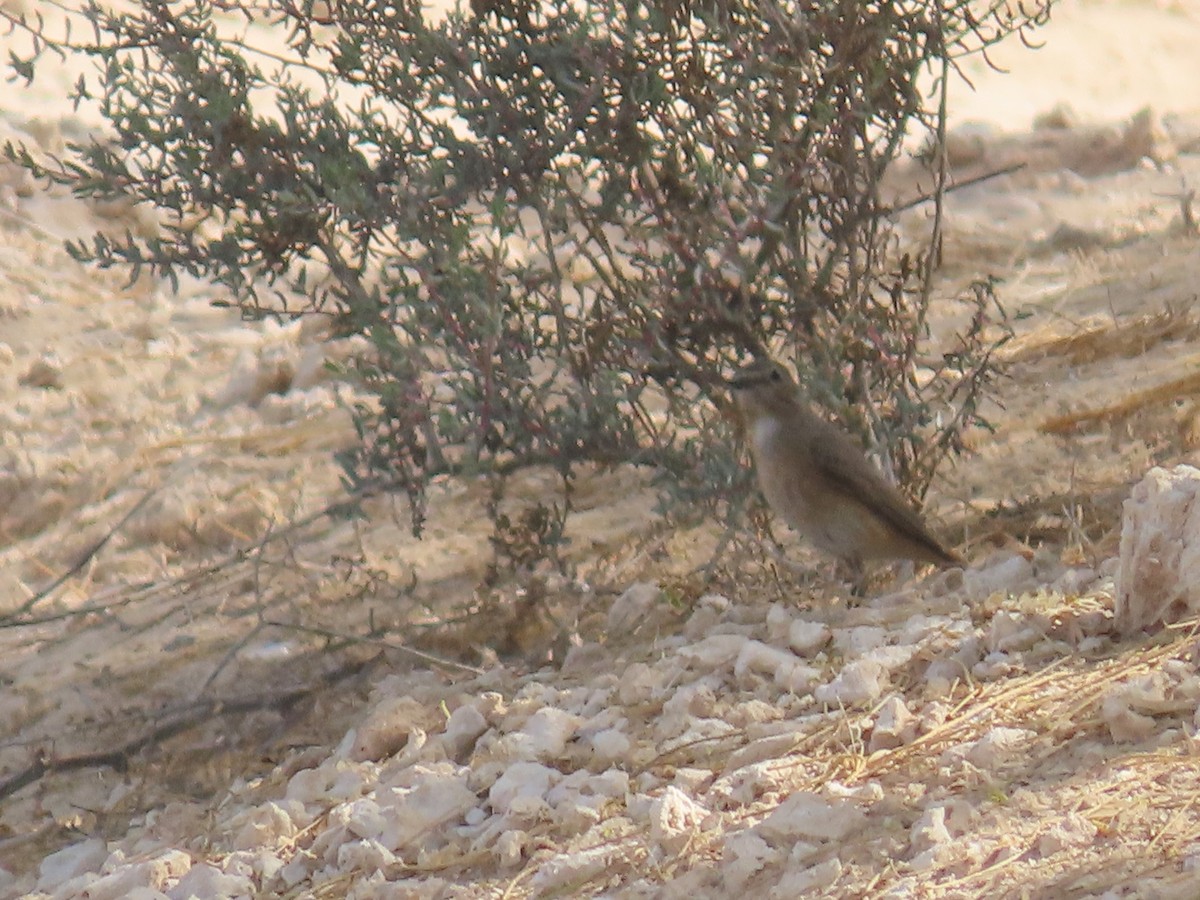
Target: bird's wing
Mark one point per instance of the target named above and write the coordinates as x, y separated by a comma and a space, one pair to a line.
850, 472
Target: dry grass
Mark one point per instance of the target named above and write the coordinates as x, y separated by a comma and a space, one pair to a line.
1100, 337
1127, 406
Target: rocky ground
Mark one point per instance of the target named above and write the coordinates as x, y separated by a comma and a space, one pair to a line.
214, 688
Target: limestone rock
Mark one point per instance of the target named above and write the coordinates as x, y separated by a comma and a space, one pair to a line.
1158, 581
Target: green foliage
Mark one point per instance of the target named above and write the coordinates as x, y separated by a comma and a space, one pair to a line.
556, 223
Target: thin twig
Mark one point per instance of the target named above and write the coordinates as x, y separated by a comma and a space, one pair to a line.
376, 642
948, 188
83, 560
118, 758
12, 619
229, 656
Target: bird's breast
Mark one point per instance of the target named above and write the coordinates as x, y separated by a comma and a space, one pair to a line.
783, 472
765, 433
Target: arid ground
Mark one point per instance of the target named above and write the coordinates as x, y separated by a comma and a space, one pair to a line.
210, 686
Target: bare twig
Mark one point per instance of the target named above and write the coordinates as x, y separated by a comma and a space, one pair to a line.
119, 757
1186, 196
337, 507
82, 561
377, 642
950, 188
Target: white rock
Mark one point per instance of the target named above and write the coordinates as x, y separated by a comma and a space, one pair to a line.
994, 747
364, 855
610, 745
521, 780
745, 784
779, 620
265, 865
297, 869
920, 626
692, 781
70, 862
464, 727
996, 665
719, 602
544, 735
118, 885
388, 727
929, 830
633, 606
857, 682
999, 744
580, 796
334, 781
894, 727
743, 854
1124, 723
1073, 830
701, 622
804, 882
639, 684
363, 818
203, 880
806, 815
476, 815
763, 659
890, 658
867, 792
753, 712
673, 818
1011, 632
680, 713
852, 642
141, 893
510, 847
1008, 575
565, 870
806, 638
798, 679
1073, 582
418, 812
267, 824
1158, 581
713, 652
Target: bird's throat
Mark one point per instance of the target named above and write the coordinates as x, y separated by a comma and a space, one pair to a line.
766, 430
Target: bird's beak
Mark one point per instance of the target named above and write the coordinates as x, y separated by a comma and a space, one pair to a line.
749, 377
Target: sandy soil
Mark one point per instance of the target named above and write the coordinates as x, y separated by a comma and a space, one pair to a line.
237, 694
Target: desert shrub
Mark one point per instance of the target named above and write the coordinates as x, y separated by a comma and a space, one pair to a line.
557, 223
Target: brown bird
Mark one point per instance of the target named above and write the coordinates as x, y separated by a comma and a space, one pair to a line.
821, 483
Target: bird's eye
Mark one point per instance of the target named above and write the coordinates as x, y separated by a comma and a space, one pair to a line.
776, 375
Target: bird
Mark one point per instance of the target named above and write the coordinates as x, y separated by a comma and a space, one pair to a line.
818, 479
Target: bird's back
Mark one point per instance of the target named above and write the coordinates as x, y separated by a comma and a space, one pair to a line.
823, 484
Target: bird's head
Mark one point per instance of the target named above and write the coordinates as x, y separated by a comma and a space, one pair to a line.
763, 388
